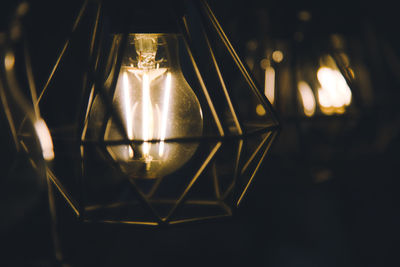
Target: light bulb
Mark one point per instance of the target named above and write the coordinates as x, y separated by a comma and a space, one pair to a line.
155, 103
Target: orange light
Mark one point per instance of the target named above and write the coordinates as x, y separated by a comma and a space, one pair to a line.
277, 56
269, 89
9, 61
307, 97
334, 93
45, 140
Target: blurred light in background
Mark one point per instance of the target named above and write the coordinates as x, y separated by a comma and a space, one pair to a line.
277, 56
307, 98
269, 86
304, 15
9, 61
334, 95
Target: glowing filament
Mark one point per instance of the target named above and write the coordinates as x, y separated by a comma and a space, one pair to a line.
165, 113
146, 114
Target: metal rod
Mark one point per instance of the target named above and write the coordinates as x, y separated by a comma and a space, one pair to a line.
63, 192
255, 153
236, 170
83, 118
201, 81
198, 219
183, 139
7, 112
215, 180
194, 179
54, 223
223, 85
31, 79
256, 169
60, 56
87, 89
210, 15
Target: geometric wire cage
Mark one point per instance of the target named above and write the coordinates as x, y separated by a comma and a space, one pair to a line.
25, 140
324, 80
169, 127
314, 80
307, 74
320, 90
317, 83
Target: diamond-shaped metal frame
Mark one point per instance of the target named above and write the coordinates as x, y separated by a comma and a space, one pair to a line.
223, 168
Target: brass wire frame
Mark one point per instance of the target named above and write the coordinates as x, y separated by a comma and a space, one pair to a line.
92, 83
31, 113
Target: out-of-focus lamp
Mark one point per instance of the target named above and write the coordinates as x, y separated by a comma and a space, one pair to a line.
316, 75
25, 139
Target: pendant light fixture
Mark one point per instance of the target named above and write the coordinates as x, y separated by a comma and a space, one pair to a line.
168, 126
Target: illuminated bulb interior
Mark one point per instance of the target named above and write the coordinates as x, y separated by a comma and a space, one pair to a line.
165, 114
156, 104
147, 114
128, 112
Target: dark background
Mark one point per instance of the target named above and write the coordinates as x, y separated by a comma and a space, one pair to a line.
304, 209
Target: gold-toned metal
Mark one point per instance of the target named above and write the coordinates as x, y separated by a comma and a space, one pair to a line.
234, 55
226, 159
256, 169
196, 176
203, 86
66, 44
63, 192
223, 86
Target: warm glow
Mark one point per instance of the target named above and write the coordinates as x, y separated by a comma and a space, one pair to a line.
277, 56
334, 94
351, 73
252, 45
165, 113
260, 110
128, 112
22, 9
127, 100
155, 103
9, 61
265, 63
269, 89
304, 15
45, 140
147, 113
307, 98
